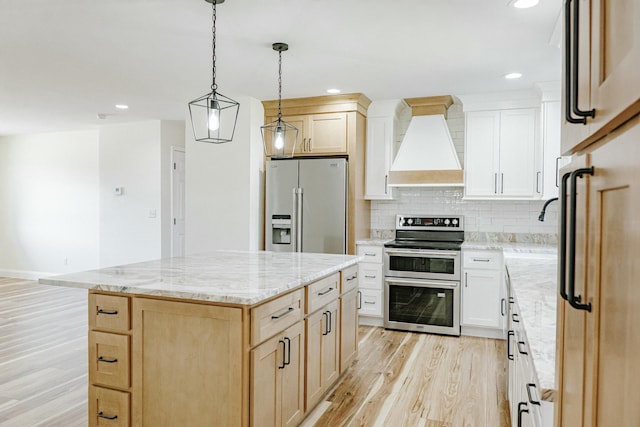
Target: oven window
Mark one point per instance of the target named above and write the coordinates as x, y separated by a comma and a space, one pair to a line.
421, 264
422, 305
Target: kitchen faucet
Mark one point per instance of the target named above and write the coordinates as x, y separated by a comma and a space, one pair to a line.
544, 208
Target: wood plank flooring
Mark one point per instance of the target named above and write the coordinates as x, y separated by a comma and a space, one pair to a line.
398, 379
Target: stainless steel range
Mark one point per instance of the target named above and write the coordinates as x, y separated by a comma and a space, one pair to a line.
422, 274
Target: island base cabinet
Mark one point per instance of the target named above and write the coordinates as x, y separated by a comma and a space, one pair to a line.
194, 348
108, 408
349, 329
277, 372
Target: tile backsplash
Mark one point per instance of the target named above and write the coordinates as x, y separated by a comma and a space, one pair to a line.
480, 216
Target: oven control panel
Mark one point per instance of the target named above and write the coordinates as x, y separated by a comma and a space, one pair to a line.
413, 222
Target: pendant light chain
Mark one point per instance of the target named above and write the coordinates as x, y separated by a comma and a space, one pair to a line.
214, 86
279, 85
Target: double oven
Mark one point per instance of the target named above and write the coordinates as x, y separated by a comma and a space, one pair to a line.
422, 275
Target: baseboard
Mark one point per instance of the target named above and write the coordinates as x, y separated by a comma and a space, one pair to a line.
24, 274
477, 331
370, 321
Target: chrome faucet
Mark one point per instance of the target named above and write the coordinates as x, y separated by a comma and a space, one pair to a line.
544, 208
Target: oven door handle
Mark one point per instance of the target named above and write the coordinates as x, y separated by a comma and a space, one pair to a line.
422, 283
423, 253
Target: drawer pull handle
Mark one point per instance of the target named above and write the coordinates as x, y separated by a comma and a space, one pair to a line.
359, 300
369, 254
509, 335
520, 343
102, 359
288, 361
369, 302
106, 417
284, 349
514, 317
369, 277
325, 292
352, 277
110, 313
289, 310
481, 259
533, 402
521, 410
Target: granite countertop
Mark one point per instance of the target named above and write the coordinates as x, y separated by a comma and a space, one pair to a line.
373, 242
533, 283
232, 277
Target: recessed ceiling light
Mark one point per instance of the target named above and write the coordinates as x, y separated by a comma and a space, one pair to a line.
333, 91
512, 76
524, 4
122, 107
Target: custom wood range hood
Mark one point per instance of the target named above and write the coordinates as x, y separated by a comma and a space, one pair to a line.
427, 156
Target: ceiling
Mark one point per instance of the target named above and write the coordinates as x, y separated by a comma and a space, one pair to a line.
64, 61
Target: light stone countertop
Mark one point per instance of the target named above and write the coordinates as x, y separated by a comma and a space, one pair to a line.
372, 242
232, 277
508, 247
534, 286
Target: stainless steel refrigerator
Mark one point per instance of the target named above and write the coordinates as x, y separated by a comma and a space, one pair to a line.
306, 206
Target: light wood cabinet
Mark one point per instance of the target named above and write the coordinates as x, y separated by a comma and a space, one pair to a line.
277, 373
206, 364
318, 134
598, 348
607, 60
323, 355
501, 152
186, 357
483, 298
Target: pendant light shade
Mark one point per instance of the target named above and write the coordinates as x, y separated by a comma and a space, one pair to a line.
279, 137
214, 116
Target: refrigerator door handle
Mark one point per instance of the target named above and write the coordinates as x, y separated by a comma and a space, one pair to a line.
299, 220
294, 221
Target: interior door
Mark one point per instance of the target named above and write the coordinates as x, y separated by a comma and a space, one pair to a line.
324, 205
177, 202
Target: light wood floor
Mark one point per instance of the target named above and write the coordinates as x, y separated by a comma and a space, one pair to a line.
398, 379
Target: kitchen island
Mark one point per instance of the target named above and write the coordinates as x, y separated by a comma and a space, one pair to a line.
229, 338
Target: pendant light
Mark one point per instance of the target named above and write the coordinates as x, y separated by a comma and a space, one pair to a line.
214, 116
279, 137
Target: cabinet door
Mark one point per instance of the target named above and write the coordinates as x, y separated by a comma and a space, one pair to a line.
615, 61
552, 161
348, 329
163, 360
379, 157
481, 298
267, 360
481, 162
571, 345
290, 140
292, 393
331, 347
327, 133
316, 325
518, 138
613, 372
371, 302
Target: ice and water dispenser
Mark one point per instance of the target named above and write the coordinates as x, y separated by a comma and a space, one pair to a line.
281, 229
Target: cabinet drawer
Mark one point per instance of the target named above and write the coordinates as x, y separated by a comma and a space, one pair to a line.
371, 253
350, 279
370, 303
108, 408
322, 292
109, 359
484, 260
275, 316
109, 312
370, 276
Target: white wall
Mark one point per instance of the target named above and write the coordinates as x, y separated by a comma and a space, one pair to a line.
48, 203
171, 135
224, 186
130, 223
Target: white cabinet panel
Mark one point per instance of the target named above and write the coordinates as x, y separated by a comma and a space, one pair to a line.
371, 302
481, 298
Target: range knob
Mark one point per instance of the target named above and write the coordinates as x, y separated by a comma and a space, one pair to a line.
446, 222
454, 221
409, 221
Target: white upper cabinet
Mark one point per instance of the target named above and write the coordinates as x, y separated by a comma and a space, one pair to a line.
503, 154
552, 160
382, 125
